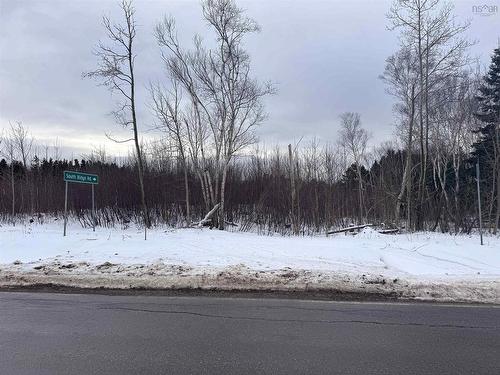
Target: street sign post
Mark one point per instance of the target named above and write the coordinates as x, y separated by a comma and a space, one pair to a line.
80, 178
479, 203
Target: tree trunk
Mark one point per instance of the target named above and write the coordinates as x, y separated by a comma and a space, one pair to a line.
210, 187
492, 192
222, 196
406, 182
402, 189
409, 183
316, 203
458, 211
140, 167
421, 122
13, 188
204, 189
293, 188
497, 167
186, 187
360, 193
423, 192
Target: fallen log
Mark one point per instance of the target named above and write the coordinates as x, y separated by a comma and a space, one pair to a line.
389, 231
208, 217
350, 229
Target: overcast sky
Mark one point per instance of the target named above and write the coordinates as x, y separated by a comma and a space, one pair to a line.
325, 57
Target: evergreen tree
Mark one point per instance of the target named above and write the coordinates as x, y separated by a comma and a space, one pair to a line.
486, 150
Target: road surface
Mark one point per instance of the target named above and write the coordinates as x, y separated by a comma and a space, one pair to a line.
43, 333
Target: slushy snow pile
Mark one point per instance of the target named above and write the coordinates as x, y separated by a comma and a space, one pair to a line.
422, 265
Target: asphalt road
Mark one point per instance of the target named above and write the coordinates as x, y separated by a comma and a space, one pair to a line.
52, 334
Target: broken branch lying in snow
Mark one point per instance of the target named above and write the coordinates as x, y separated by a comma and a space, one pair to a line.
349, 229
389, 231
208, 216
359, 227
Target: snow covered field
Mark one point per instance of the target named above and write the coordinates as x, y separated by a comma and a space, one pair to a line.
423, 265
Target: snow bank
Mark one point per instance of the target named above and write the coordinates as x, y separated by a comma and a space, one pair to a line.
423, 265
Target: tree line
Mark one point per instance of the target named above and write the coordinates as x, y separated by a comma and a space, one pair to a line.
446, 114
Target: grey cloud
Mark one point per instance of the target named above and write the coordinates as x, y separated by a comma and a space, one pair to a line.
324, 55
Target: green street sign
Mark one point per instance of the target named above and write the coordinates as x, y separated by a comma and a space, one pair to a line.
82, 178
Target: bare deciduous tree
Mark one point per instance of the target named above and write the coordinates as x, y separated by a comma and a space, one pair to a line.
166, 106
354, 138
401, 77
23, 141
220, 86
431, 33
116, 71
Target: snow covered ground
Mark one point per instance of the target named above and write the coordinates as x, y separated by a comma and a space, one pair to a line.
423, 265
